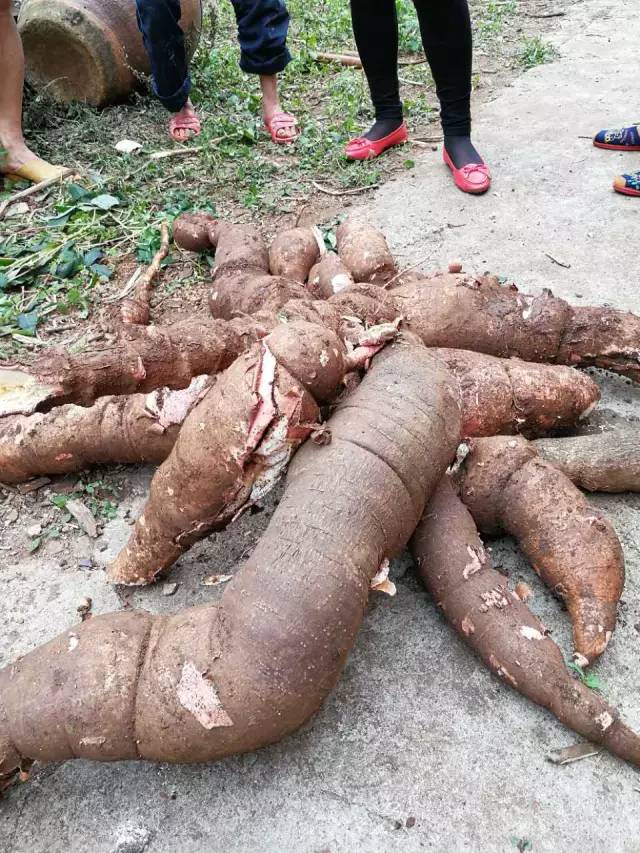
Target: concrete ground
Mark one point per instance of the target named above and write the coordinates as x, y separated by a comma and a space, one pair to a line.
419, 748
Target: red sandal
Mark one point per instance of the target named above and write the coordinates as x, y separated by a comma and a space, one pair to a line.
474, 178
366, 149
279, 122
189, 125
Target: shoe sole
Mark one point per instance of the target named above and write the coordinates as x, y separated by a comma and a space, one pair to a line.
607, 147
625, 191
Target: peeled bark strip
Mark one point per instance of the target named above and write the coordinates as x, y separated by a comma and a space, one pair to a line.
234, 446
501, 396
236, 676
570, 544
512, 642
609, 462
115, 430
140, 359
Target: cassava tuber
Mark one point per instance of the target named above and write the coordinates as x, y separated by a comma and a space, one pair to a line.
234, 445
235, 676
571, 545
511, 641
126, 429
295, 251
140, 359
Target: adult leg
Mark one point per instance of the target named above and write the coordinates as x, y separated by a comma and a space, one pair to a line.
375, 27
159, 23
14, 152
263, 26
446, 34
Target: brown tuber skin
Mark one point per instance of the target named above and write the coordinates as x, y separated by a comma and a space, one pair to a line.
512, 642
236, 676
294, 252
497, 396
364, 251
193, 231
571, 545
501, 396
328, 276
609, 462
117, 430
233, 446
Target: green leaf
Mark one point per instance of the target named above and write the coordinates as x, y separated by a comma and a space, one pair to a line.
4, 281
28, 322
409, 164
101, 270
61, 219
103, 202
91, 256
34, 544
59, 500
76, 192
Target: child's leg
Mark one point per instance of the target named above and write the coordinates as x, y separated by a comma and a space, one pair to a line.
262, 31
159, 23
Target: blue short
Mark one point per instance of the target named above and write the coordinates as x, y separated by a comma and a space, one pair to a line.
262, 31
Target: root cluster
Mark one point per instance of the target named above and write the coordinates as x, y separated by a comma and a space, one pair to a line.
412, 408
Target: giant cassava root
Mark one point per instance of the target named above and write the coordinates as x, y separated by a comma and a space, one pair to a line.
512, 642
571, 544
289, 329
497, 396
231, 677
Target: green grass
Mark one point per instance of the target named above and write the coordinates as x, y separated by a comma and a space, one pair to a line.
57, 260
536, 51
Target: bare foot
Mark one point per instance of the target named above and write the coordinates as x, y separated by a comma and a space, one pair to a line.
184, 124
14, 154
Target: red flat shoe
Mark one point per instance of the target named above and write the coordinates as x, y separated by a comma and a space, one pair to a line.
474, 178
366, 149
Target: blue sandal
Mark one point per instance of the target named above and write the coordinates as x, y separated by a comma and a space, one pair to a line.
622, 139
628, 184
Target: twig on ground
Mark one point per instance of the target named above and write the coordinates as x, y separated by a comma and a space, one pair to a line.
32, 190
406, 270
352, 191
558, 262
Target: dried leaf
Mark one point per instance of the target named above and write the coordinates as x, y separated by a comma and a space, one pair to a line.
127, 146
83, 516
573, 753
215, 580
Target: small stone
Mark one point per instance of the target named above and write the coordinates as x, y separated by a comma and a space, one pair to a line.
34, 531
455, 267
411, 822
11, 516
85, 564
169, 588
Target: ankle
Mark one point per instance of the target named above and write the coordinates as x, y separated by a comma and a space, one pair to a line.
383, 127
461, 150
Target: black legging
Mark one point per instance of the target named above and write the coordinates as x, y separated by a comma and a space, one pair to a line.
446, 35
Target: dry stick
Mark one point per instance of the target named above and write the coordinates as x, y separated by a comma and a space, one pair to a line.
353, 60
36, 188
353, 191
406, 270
137, 309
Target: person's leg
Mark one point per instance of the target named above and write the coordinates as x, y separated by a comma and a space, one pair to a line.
375, 27
446, 34
14, 152
159, 23
263, 26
